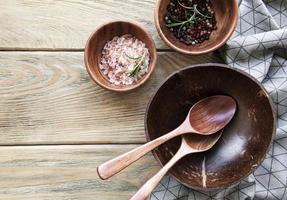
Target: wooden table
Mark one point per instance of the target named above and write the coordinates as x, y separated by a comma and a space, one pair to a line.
56, 125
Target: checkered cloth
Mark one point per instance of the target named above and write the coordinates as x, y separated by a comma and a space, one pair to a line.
259, 47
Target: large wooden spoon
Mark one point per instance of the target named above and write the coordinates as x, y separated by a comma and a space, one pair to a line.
205, 117
190, 143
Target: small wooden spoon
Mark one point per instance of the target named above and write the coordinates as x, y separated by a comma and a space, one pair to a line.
190, 143
206, 117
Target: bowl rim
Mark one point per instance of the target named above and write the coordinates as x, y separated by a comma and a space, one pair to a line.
127, 88
192, 52
225, 66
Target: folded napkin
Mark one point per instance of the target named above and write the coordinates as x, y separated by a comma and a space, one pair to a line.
258, 47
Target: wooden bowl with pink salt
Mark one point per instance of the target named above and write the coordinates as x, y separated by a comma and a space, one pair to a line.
120, 56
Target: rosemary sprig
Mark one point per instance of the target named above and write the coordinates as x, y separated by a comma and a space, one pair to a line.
179, 30
181, 23
189, 20
197, 11
133, 58
137, 66
186, 7
194, 8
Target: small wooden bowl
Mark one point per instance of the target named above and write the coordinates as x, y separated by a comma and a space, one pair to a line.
245, 140
101, 36
226, 13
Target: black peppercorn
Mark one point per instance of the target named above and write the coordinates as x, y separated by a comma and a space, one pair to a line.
191, 21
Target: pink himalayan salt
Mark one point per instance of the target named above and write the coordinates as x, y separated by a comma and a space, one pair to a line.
116, 64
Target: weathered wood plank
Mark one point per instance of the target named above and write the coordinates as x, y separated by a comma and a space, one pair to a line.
48, 98
66, 24
68, 172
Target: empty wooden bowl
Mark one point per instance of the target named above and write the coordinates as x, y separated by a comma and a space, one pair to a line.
226, 13
245, 140
101, 36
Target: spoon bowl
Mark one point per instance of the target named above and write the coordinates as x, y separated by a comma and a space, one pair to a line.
199, 143
218, 111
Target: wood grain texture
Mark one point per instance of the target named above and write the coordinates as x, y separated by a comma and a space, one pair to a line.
48, 98
68, 173
66, 24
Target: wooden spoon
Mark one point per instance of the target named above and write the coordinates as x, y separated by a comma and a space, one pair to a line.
205, 117
190, 143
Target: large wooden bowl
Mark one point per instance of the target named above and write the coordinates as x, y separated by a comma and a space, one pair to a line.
226, 13
245, 140
97, 41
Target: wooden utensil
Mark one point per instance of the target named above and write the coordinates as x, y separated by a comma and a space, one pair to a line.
205, 117
190, 143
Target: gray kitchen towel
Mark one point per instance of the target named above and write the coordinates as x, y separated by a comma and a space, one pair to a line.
259, 47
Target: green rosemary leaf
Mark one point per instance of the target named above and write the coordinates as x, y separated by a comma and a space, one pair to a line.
133, 58
137, 67
186, 7
179, 30
135, 71
175, 24
182, 23
197, 11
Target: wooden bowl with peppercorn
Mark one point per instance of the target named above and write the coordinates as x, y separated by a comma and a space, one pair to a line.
120, 56
196, 26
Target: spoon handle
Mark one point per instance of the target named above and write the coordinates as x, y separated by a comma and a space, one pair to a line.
111, 167
149, 186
